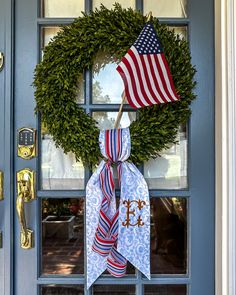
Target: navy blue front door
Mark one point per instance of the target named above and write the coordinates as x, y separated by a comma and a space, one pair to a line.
181, 181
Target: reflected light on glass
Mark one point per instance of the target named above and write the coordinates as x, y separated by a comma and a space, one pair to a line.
107, 85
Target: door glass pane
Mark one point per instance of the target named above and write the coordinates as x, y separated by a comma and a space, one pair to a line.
169, 235
182, 31
62, 8
62, 290
58, 170
169, 171
47, 34
166, 8
114, 289
106, 120
62, 236
107, 83
165, 290
109, 4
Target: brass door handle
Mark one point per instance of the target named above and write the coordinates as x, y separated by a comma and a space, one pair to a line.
25, 193
1, 61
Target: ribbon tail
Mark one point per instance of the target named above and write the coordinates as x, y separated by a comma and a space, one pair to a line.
134, 219
96, 264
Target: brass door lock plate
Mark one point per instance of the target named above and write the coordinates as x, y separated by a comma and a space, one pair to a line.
26, 143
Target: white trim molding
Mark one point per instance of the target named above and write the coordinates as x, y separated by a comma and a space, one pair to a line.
225, 61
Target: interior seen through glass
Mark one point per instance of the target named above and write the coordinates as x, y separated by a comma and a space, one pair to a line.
62, 290
63, 236
169, 235
114, 290
59, 170
166, 8
62, 8
170, 170
165, 290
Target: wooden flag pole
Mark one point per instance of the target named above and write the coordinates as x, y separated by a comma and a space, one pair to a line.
149, 16
119, 115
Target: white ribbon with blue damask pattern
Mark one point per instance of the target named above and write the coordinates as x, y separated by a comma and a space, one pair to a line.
133, 241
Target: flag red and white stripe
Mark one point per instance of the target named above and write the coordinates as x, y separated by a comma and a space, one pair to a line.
146, 73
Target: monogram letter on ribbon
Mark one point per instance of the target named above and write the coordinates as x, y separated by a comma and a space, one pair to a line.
128, 205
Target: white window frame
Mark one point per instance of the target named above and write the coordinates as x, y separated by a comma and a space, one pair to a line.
225, 75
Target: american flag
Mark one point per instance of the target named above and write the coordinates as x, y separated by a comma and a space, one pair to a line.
145, 72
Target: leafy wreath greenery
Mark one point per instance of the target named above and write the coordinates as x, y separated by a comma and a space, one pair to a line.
74, 49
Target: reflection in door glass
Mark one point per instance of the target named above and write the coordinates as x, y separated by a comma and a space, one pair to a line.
106, 120
62, 236
114, 289
165, 290
107, 83
62, 290
169, 171
166, 8
62, 8
169, 236
59, 171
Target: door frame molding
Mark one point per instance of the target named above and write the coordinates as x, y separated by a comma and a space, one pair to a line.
225, 61
8, 149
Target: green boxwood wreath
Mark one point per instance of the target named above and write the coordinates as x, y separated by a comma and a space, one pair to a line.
74, 49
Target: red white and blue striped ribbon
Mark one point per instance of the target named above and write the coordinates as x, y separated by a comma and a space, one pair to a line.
105, 241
